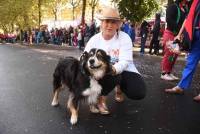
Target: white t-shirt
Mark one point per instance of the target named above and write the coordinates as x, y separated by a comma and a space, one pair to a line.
119, 48
79, 36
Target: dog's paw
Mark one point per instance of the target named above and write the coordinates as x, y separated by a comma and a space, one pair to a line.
54, 103
93, 109
73, 120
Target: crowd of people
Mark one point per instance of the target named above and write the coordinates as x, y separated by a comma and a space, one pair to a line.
76, 36
183, 25
73, 36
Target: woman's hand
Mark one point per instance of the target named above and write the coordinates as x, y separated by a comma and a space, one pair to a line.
178, 37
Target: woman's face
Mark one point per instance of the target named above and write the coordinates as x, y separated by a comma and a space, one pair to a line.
109, 28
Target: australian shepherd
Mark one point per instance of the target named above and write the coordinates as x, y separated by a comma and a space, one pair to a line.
81, 78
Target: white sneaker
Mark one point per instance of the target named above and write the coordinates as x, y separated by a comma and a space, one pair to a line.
166, 77
174, 77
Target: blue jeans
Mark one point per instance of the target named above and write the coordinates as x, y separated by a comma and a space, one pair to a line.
143, 42
191, 63
37, 41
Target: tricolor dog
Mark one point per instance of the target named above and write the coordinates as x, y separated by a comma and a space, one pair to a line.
81, 78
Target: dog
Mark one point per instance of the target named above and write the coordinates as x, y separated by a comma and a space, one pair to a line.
81, 78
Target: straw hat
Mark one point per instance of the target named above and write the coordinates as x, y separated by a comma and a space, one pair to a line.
109, 14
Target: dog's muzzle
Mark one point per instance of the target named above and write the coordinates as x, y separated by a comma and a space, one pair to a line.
92, 64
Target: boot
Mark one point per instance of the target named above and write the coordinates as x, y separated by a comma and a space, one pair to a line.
102, 105
118, 94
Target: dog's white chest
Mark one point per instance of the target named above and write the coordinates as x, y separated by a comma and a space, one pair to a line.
93, 91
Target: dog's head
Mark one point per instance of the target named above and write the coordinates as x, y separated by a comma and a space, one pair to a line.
98, 63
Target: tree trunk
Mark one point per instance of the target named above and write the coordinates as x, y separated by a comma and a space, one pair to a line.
93, 9
39, 13
55, 17
73, 13
83, 12
170, 2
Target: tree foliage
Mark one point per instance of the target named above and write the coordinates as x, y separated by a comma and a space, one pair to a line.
93, 4
19, 14
14, 12
26, 14
55, 6
136, 10
74, 4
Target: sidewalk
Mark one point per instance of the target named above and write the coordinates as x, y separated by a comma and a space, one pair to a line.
136, 48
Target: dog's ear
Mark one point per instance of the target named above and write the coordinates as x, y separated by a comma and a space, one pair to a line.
105, 56
83, 62
109, 70
84, 56
109, 64
108, 58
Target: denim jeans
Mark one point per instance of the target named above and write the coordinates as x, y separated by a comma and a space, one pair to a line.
143, 42
191, 63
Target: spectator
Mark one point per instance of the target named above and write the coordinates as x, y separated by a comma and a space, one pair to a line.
39, 36
191, 30
79, 38
156, 32
144, 29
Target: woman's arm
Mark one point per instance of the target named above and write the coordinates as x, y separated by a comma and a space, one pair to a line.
125, 54
178, 37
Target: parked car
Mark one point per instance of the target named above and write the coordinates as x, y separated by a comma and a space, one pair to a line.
11, 38
2, 37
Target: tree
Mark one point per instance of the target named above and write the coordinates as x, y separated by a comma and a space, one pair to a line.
93, 4
74, 4
136, 10
16, 14
55, 6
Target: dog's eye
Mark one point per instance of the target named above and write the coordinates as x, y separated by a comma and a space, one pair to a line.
91, 54
99, 54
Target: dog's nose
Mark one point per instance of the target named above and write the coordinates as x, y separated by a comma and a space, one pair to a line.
91, 61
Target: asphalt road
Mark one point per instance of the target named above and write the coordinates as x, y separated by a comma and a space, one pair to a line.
26, 93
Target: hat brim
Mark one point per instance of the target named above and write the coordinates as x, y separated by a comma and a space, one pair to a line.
109, 18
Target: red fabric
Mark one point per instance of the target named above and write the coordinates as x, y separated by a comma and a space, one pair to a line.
189, 21
166, 64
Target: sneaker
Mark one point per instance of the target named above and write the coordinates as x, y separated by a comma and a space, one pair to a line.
174, 77
166, 77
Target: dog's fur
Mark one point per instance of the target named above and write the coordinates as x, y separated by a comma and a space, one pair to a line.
81, 77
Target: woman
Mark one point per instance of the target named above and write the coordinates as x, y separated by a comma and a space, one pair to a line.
119, 46
192, 32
